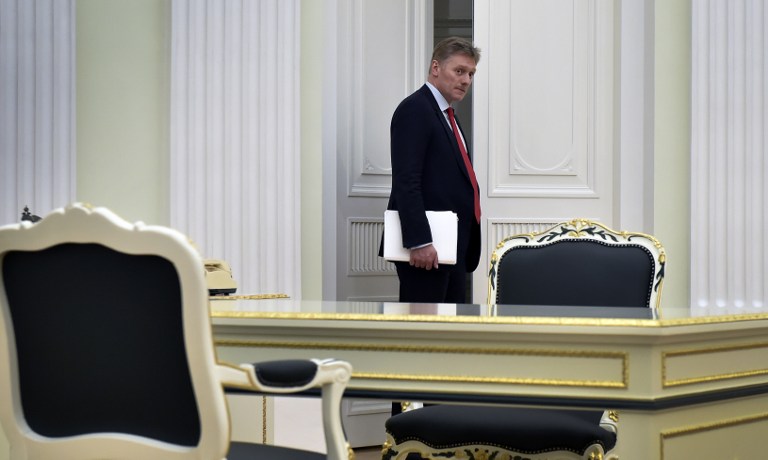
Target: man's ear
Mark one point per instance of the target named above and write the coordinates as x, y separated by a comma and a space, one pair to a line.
433, 67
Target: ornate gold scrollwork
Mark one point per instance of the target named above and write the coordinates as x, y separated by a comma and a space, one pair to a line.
385, 447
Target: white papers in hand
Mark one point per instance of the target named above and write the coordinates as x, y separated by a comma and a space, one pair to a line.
444, 227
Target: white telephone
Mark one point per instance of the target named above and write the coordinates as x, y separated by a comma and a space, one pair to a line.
218, 276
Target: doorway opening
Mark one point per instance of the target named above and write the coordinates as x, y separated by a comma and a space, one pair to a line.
454, 18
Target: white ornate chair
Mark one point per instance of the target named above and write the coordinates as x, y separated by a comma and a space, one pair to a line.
106, 349
576, 263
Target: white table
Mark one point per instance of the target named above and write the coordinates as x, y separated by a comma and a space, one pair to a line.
685, 387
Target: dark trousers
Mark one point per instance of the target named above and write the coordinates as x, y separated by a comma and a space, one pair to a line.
447, 284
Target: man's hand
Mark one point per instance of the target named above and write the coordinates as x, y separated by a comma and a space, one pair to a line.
425, 257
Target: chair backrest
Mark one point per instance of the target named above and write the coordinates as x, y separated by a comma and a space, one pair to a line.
106, 345
578, 263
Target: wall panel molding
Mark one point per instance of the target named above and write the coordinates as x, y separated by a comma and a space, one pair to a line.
37, 108
235, 143
550, 115
729, 169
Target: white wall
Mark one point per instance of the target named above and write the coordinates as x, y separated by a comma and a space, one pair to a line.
312, 42
122, 107
672, 145
123, 116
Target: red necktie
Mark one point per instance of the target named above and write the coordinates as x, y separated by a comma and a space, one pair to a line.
467, 163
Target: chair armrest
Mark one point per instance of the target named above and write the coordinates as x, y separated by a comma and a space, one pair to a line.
285, 373
610, 421
285, 376
293, 376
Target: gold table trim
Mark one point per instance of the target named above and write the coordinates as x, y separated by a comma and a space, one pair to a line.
617, 384
667, 383
521, 320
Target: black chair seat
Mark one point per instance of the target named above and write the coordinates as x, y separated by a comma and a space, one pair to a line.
247, 451
519, 429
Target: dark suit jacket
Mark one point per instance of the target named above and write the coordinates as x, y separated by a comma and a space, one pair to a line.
428, 173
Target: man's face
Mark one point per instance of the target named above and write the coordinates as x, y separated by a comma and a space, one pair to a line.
453, 77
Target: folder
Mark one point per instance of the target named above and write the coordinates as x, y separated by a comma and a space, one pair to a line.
444, 226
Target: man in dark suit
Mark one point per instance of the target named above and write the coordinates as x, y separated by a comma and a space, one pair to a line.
431, 170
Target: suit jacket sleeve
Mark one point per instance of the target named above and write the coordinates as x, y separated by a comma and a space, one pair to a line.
410, 134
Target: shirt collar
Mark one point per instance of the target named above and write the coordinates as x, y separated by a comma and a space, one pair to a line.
441, 102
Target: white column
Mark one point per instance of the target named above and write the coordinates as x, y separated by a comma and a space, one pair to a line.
235, 137
37, 118
729, 209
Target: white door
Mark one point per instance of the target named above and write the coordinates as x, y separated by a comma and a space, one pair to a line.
544, 117
381, 49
